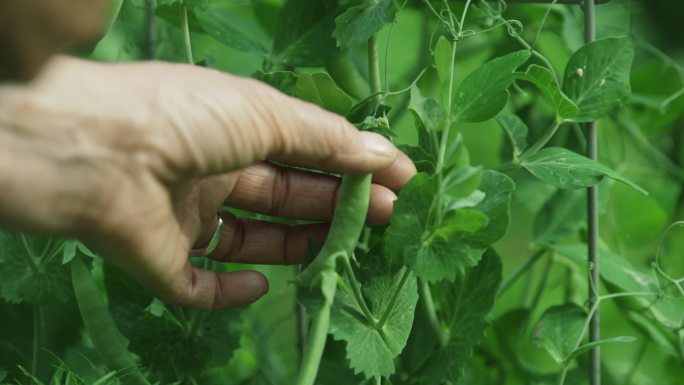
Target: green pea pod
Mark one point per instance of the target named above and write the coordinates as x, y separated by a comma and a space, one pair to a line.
99, 323
346, 227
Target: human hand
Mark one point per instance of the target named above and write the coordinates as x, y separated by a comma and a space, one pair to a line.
137, 159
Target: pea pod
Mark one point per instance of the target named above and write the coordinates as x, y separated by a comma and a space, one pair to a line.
100, 326
346, 227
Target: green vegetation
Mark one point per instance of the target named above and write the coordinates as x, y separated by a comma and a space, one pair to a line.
482, 275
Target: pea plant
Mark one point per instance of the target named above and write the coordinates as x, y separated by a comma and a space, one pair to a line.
529, 124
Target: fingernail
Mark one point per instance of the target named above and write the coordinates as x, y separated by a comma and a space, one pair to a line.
378, 145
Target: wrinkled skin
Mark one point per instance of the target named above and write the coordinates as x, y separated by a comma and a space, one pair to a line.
137, 159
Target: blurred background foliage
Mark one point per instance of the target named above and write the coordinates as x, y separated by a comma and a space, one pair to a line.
643, 141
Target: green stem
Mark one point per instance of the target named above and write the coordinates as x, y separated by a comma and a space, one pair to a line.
432, 314
593, 256
447, 121
317, 335
561, 375
356, 291
37, 339
374, 68
185, 28
542, 141
395, 297
524, 268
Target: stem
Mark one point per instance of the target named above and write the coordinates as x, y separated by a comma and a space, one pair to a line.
317, 335
356, 290
432, 314
542, 141
151, 30
520, 271
561, 375
393, 301
301, 323
447, 121
37, 339
374, 69
593, 222
186, 34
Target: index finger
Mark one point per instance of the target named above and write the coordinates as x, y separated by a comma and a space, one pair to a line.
221, 123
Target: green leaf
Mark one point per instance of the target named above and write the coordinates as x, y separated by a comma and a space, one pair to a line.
304, 33
423, 161
546, 82
484, 92
284, 81
31, 269
560, 217
180, 343
597, 77
565, 169
559, 330
497, 188
358, 23
516, 130
463, 307
320, 89
620, 275
371, 351
427, 110
234, 26
442, 58
413, 237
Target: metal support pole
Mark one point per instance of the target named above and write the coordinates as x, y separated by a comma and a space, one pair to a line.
593, 220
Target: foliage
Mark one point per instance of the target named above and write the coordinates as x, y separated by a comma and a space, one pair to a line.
444, 294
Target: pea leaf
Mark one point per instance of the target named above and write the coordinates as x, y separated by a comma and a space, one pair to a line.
320, 89
358, 23
559, 331
597, 77
235, 26
620, 275
304, 33
544, 80
416, 239
427, 110
484, 92
560, 217
180, 342
284, 81
565, 169
370, 350
442, 58
424, 162
31, 269
464, 305
516, 130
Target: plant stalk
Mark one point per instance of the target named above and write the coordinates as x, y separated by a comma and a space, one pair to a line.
593, 222
37, 339
317, 335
